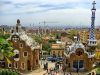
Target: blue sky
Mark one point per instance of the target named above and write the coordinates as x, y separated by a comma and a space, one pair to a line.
63, 12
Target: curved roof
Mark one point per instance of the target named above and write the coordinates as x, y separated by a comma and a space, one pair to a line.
75, 46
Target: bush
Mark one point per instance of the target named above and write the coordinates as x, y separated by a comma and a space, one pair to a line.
8, 72
52, 41
98, 70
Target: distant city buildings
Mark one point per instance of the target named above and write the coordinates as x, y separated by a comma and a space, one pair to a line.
84, 35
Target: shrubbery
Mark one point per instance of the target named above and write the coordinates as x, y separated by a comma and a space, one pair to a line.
98, 70
8, 72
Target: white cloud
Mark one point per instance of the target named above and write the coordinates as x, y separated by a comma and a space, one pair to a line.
29, 11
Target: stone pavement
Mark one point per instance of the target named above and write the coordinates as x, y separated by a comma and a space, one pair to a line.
40, 71
36, 72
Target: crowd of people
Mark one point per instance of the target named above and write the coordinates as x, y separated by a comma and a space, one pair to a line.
57, 70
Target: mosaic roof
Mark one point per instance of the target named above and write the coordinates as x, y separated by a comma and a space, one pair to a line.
23, 36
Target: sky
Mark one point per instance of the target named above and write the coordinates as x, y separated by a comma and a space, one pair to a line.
53, 12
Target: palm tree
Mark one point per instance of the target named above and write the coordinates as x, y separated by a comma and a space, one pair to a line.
6, 50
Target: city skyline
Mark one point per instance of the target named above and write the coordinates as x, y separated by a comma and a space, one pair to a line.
63, 12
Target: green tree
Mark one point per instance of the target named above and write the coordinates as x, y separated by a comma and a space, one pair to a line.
2, 34
5, 36
46, 47
38, 39
72, 33
6, 50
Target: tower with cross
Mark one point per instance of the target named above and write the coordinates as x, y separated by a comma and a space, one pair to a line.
92, 40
